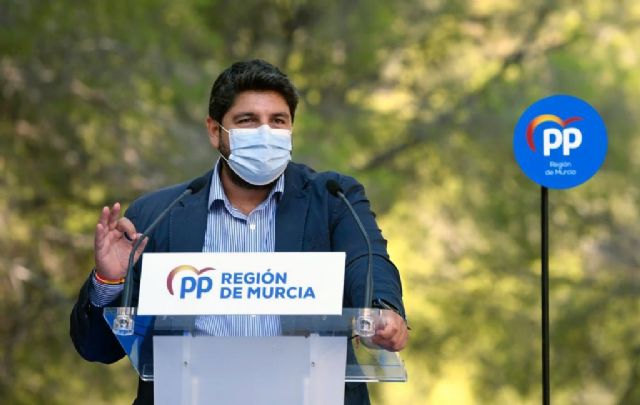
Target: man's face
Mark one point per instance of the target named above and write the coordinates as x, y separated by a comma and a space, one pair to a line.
250, 109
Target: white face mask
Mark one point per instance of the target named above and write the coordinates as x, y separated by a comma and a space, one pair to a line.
259, 155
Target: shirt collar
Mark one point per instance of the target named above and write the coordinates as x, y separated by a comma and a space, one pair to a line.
216, 192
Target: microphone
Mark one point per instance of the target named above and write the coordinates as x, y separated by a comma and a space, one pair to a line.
334, 189
123, 324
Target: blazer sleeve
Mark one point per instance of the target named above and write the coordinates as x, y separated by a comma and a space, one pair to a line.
90, 333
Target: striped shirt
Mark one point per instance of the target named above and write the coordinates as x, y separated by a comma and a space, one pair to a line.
228, 230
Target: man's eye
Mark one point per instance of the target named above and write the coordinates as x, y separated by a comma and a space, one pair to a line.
244, 120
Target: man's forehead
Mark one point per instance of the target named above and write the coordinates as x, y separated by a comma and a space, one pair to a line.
260, 98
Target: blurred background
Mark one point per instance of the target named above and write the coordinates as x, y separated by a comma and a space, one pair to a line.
101, 101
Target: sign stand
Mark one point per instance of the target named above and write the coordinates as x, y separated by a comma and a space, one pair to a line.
559, 142
544, 284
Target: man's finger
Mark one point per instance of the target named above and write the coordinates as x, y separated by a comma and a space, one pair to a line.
391, 322
114, 215
104, 216
98, 240
387, 332
102, 228
394, 343
126, 226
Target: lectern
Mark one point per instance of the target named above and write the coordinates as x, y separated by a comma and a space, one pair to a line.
308, 362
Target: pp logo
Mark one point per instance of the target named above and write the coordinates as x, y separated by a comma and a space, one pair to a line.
553, 138
560, 142
189, 284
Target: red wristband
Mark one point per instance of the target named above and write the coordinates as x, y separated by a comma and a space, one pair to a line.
107, 281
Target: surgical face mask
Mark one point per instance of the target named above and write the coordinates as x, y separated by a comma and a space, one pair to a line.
259, 155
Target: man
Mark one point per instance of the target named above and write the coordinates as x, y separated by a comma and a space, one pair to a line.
256, 200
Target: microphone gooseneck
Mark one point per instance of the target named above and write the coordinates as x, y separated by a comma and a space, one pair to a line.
193, 187
334, 189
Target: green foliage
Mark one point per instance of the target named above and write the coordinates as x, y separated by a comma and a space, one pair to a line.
103, 101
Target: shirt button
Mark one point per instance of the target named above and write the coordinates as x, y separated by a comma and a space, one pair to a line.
252, 227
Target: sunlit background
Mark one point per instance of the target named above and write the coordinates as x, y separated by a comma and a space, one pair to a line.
101, 101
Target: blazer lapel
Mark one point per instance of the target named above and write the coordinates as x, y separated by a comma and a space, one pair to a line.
291, 212
188, 222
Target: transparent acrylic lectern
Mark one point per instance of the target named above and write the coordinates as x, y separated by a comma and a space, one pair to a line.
307, 363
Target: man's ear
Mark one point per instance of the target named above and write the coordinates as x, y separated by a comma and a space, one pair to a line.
213, 129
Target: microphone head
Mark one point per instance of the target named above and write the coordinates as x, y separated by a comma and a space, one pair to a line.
333, 187
197, 184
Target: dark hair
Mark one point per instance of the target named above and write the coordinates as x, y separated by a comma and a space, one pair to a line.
255, 74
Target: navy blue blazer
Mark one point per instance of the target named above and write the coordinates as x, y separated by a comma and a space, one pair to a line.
308, 219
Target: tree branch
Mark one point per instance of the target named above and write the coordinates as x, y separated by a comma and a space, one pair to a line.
419, 131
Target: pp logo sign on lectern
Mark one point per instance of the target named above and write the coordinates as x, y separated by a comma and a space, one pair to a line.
192, 282
560, 142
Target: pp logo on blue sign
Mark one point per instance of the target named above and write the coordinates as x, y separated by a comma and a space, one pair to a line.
560, 142
189, 284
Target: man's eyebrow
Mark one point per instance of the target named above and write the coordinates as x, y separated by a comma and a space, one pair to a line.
250, 114
243, 113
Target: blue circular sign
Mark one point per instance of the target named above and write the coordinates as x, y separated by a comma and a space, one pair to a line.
560, 142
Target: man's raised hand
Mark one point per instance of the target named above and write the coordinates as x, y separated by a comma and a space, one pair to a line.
113, 243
